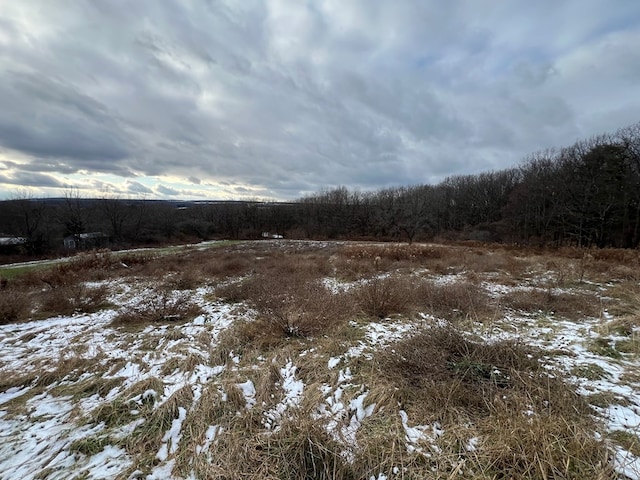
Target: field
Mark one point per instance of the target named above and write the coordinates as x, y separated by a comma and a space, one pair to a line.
291, 359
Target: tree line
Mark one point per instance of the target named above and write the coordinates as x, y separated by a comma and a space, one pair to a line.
587, 194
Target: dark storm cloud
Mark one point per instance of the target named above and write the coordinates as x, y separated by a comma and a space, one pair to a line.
31, 180
288, 97
47, 119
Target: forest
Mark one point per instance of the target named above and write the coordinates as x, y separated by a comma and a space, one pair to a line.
586, 195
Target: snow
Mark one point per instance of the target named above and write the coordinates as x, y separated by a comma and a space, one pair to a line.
41, 437
472, 444
249, 392
12, 393
210, 436
627, 464
172, 437
292, 389
419, 435
106, 464
162, 471
333, 362
39, 424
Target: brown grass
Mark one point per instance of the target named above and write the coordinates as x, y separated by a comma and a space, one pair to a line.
70, 299
158, 307
381, 297
64, 369
568, 305
301, 448
452, 375
542, 447
295, 304
15, 305
354, 262
460, 300
148, 436
532, 425
393, 251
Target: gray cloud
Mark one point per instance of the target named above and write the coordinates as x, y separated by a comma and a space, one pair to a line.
23, 179
137, 188
290, 97
164, 190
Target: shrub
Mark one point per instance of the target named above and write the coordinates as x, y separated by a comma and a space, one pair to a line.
162, 306
70, 299
295, 305
381, 297
455, 300
14, 305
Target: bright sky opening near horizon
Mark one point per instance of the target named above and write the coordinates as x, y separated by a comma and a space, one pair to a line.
276, 99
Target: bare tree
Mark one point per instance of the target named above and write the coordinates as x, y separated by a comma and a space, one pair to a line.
30, 215
116, 212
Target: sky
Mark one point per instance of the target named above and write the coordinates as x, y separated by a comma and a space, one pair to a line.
277, 99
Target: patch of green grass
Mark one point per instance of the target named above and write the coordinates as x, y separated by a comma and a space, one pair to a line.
629, 346
93, 385
604, 347
90, 445
18, 270
605, 399
590, 371
626, 440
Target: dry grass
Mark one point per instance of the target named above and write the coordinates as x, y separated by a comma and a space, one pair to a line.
453, 376
158, 307
68, 369
96, 384
294, 304
542, 447
394, 252
15, 305
460, 300
532, 424
528, 423
402, 294
569, 305
147, 437
228, 265
70, 299
301, 448
382, 297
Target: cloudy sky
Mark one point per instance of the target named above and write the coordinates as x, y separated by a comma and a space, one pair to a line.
279, 98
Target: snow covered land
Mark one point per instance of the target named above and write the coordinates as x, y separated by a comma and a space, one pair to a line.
281, 359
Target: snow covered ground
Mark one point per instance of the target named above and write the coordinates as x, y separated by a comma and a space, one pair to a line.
77, 389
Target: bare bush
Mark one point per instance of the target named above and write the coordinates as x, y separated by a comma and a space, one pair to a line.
455, 300
305, 309
295, 305
71, 299
14, 305
159, 306
381, 297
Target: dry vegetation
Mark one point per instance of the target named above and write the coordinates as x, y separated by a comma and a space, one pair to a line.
328, 360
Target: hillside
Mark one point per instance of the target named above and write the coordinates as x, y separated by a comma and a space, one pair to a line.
296, 359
